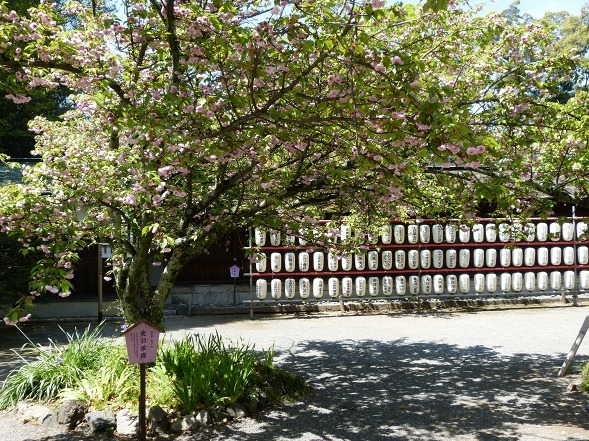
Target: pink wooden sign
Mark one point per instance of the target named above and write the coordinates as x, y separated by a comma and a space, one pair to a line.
142, 340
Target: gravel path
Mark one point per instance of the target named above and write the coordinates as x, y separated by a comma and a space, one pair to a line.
485, 375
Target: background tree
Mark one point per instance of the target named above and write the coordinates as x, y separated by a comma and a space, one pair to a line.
196, 118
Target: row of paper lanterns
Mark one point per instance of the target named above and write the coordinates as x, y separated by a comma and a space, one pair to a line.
423, 259
438, 284
437, 233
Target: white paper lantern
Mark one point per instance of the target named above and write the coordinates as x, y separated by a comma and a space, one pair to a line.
274, 238
451, 284
332, 261
530, 281
276, 288
464, 283
464, 233
372, 238
261, 264
347, 262
517, 232
491, 257
478, 257
347, 286
360, 286
491, 232
426, 284
387, 260
517, 257
302, 240
290, 288
438, 233
386, 234
387, 285
425, 259
530, 256
290, 240
399, 234
424, 233
360, 261
317, 287
504, 232
345, 233
304, 288
333, 287
517, 281
505, 257
373, 286
542, 256
318, 259
412, 233
304, 261
555, 231
505, 282
478, 232
584, 279
464, 258
260, 236
583, 255
400, 285
413, 259
451, 258
568, 232
438, 284
569, 279
413, 285
530, 231
542, 232
568, 256
555, 280
399, 259
372, 260
479, 283
450, 231
275, 262
491, 282
542, 280
261, 289
555, 256
289, 262
581, 230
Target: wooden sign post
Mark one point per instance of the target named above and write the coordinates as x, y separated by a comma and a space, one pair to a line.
142, 340
234, 273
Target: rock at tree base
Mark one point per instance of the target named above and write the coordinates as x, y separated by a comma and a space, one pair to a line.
100, 421
127, 422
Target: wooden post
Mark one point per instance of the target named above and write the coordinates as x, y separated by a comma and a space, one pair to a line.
142, 425
99, 282
571, 355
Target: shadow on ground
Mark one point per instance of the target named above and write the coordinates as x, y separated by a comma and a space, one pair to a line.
369, 390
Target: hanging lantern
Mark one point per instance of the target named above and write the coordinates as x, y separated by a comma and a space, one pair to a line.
426, 284
555, 280
530, 281
542, 280
530, 256
347, 262
438, 284
438, 258
452, 283
360, 261
479, 283
450, 231
318, 287
583, 255
413, 285
347, 285
387, 285
569, 280
464, 233
505, 257
438, 233
504, 232
401, 285
399, 259
276, 288
530, 231
260, 237
289, 288
517, 282
413, 259
387, 260
332, 261
289, 262
412, 233
304, 261
491, 282
451, 258
261, 264
372, 260
555, 255
542, 232
318, 259
542, 256
373, 286
274, 238
424, 233
555, 231
517, 257
399, 232
261, 288
276, 262
360, 286
568, 256
386, 234
464, 258
491, 232
426, 258
478, 232
333, 287
464, 283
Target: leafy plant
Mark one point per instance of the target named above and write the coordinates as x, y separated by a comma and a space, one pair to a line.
54, 367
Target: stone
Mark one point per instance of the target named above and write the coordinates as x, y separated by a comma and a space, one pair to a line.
572, 388
252, 406
127, 422
158, 419
101, 421
219, 416
37, 413
203, 418
70, 413
236, 410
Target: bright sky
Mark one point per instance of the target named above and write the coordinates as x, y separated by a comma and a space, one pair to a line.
537, 8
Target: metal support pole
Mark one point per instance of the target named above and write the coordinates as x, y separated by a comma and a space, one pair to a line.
99, 282
576, 290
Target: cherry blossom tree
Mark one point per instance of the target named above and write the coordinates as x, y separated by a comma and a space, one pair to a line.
194, 118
